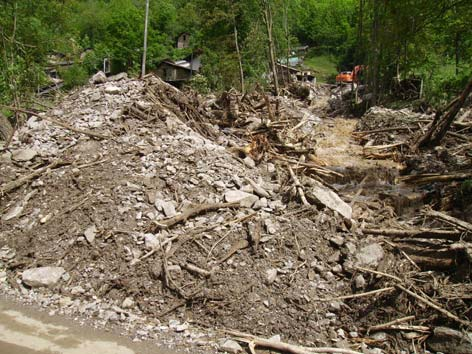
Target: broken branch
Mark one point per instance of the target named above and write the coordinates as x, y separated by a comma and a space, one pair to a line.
285, 347
192, 211
8, 187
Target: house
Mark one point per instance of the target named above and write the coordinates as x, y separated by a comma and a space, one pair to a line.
287, 74
177, 72
183, 41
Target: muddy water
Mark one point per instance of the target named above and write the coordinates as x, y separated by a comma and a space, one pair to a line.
23, 330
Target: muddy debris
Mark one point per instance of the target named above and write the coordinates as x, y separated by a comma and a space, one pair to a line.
214, 222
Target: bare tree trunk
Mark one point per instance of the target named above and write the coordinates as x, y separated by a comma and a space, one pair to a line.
287, 38
457, 40
6, 129
236, 42
442, 122
267, 17
374, 79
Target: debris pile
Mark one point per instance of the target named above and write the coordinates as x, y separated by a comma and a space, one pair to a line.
136, 204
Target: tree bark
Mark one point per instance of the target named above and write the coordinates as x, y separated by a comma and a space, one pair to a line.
238, 53
442, 122
267, 18
6, 130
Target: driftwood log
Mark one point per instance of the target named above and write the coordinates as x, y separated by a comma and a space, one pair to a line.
452, 235
11, 186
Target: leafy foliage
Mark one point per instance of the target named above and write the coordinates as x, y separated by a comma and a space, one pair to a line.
396, 39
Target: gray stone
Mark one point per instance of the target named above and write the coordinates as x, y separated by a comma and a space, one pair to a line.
23, 155
369, 255
261, 203
325, 196
230, 346
112, 90
151, 242
379, 336
99, 78
337, 240
249, 162
360, 282
181, 328
95, 96
270, 226
169, 209
118, 77
271, 275
90, 233
239, 197
42, 276
337, 269
77, 290
447, 340
127, 303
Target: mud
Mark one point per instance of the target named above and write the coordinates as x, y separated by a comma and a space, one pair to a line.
26, 330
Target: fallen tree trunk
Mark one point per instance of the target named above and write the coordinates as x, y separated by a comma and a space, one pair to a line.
435, 177
417, 233
461, 224
11, 186
442, 122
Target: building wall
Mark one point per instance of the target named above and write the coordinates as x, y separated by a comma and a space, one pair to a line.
183, 41
172, 73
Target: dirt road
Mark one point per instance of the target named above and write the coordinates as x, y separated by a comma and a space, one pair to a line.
24, 330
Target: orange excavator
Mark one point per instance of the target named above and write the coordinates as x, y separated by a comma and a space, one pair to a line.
356, 76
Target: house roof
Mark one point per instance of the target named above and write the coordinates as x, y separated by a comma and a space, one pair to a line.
185, 65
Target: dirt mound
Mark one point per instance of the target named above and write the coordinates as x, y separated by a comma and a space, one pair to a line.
162, 210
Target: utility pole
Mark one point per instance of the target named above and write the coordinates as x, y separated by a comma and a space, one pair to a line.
146, 20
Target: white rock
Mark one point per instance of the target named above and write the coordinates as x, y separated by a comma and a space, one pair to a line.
112, 90
271, 275
249, 162
99, 78
151, 242
169, 209
360, 282
42, 276
230, 346
369, 255
181, 328
330, 199
90, 233
23, 155
127, 303
95, 96
240, 196
118, 77
76, 290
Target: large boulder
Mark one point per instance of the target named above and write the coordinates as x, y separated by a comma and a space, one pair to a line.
99, 78
42, 276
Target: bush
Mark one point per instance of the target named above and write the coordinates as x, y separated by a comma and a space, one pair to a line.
74, 76
200, 84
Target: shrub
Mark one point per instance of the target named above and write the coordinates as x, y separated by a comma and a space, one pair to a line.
74, 76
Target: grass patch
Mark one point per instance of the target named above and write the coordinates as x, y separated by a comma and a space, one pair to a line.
324, 67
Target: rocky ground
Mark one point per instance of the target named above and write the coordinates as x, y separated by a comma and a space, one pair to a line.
134, 206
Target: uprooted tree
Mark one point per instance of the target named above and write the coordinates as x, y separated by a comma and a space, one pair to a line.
443, 120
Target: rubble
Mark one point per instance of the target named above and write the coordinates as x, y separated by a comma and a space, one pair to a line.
166, 207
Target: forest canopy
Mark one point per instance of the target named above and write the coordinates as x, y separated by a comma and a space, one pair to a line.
394, 39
